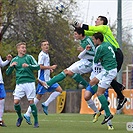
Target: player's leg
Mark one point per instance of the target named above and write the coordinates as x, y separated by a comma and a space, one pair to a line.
56, 92
77, 69
107, 77
39, 92
30, 94
18, 94
2, 103
90, 91
116, 85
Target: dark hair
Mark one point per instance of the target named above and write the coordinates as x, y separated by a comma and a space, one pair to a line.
104, 19
43, 41
80, 31
99, 35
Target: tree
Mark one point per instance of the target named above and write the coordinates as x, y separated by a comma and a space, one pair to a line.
32, 21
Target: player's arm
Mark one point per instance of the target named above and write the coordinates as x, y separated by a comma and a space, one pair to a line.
47, 67
34, 65
98, 55
11, 67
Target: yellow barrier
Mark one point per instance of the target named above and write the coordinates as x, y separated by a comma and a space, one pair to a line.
61, 99
127, 109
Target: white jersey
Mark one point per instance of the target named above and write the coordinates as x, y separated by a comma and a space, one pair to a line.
43, 59
2, 64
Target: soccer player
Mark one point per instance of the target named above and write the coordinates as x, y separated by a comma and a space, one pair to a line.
84, 65
101, 26
96, 70
24, 65
2, 89
106, 55
44, 75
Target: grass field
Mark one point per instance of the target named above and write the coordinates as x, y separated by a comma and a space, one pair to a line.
65, 123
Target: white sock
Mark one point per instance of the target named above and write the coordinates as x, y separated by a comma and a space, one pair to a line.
92, 105
52, 97
2, 102
28, 112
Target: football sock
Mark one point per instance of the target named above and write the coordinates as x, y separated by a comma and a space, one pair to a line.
28, 112
52, 97
94, 88
2, 101
80, 79
18, 110
56, 78
92, 105
34, 112
104, 104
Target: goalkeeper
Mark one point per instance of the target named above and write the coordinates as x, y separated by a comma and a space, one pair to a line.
101, 26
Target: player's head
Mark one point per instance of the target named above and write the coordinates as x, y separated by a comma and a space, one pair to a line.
97, 38
21, 48
79, 33
45, 45
101, 20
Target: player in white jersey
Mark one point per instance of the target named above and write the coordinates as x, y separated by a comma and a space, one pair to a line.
2, 89
44, 75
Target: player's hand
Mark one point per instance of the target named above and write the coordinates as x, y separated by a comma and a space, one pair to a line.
88, 47
13, 64
80, 49
9, 57
53, 67
25, 65
76, 24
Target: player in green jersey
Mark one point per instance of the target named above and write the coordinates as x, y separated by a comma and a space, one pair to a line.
106, 55
101, 26
24, 65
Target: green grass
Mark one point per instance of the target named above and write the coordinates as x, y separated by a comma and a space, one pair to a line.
65, 123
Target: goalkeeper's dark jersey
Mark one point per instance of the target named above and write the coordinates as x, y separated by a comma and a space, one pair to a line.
106, 55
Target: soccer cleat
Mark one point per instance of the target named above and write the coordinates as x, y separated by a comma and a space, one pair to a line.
27, 118
45, 108
2, 124
121, 103
106, 119
110, 127
19, 121
95, 117
36, 125
101, 109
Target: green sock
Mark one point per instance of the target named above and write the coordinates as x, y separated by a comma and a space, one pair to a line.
94, 88
80, 79
18, 110
34, 112
104, 104
57, 78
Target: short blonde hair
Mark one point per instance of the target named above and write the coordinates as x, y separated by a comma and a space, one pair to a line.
20, 43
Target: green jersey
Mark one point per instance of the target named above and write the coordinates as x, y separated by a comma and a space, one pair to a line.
24, 74
88, 41
106, 55
106, 31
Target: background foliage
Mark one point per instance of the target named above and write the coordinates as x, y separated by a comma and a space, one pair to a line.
34, 20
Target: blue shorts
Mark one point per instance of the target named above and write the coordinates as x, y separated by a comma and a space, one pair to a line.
41, 90
2, 91
89, 88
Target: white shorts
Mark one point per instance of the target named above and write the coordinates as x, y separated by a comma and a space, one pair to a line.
82, 66
105, 77
26, 89
97, 68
